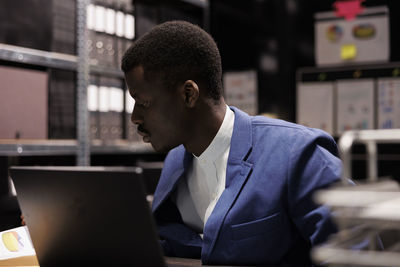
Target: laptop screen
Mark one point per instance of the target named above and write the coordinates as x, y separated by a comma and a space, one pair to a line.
87, 215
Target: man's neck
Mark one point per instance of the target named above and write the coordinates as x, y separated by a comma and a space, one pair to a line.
205, 127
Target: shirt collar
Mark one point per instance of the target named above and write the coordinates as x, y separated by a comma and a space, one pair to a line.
221, 141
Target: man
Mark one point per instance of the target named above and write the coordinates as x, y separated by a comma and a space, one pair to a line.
234, 189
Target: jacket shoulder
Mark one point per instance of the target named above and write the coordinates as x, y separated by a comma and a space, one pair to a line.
290, 134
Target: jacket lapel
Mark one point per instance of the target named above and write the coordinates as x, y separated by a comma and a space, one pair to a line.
237, 172
169, 179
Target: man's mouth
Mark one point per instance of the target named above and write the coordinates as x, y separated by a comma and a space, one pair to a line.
144, 133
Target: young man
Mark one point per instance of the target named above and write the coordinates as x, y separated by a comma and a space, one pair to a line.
235, 189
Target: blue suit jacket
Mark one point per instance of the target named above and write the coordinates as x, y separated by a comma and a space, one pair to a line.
266, 214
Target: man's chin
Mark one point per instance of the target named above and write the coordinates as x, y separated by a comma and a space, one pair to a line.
159, 148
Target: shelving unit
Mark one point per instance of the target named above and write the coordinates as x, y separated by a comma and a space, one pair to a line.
329, 79
354, 71
54, 60
71, 63
327, 86
17, 148
79, 150
34, 57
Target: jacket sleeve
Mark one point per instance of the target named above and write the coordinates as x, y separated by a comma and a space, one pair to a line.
177, 240
313, 165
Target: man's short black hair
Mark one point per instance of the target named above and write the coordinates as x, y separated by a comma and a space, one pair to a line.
179, 51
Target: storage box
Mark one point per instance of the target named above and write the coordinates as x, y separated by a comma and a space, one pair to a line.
364, 39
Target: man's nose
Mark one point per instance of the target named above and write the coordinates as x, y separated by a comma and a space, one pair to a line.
136, 118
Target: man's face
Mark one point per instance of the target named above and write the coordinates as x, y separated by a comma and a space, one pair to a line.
158, 112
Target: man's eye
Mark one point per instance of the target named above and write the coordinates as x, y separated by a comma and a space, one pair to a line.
143, 104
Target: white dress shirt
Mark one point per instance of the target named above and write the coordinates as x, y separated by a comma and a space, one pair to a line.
197, 195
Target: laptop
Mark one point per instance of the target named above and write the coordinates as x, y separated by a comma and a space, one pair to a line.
87, 216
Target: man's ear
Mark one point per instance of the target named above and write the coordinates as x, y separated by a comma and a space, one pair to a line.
190, 93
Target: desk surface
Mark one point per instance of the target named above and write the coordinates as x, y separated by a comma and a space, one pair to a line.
31, 261
182, 262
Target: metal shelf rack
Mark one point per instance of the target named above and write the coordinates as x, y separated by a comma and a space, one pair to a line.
79, 64
34, 57
12, 148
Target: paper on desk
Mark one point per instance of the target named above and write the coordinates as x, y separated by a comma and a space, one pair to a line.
16, 243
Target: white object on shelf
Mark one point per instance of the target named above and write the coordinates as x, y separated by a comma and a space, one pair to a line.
364, 39
100, 19
388, 103
129, 102
116, 99
110, 21
104, 99
93, 98
120, 25
355, 105
90, 17
315, 105
241, 90
129, 26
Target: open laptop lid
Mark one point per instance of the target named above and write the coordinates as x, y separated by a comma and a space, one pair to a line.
87, 215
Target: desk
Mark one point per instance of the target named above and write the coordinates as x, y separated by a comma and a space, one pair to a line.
31, 261
183, 262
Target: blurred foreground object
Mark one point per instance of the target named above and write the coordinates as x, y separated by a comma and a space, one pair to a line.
363, 212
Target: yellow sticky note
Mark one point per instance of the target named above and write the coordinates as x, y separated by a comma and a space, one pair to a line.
348, 51
10, 241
